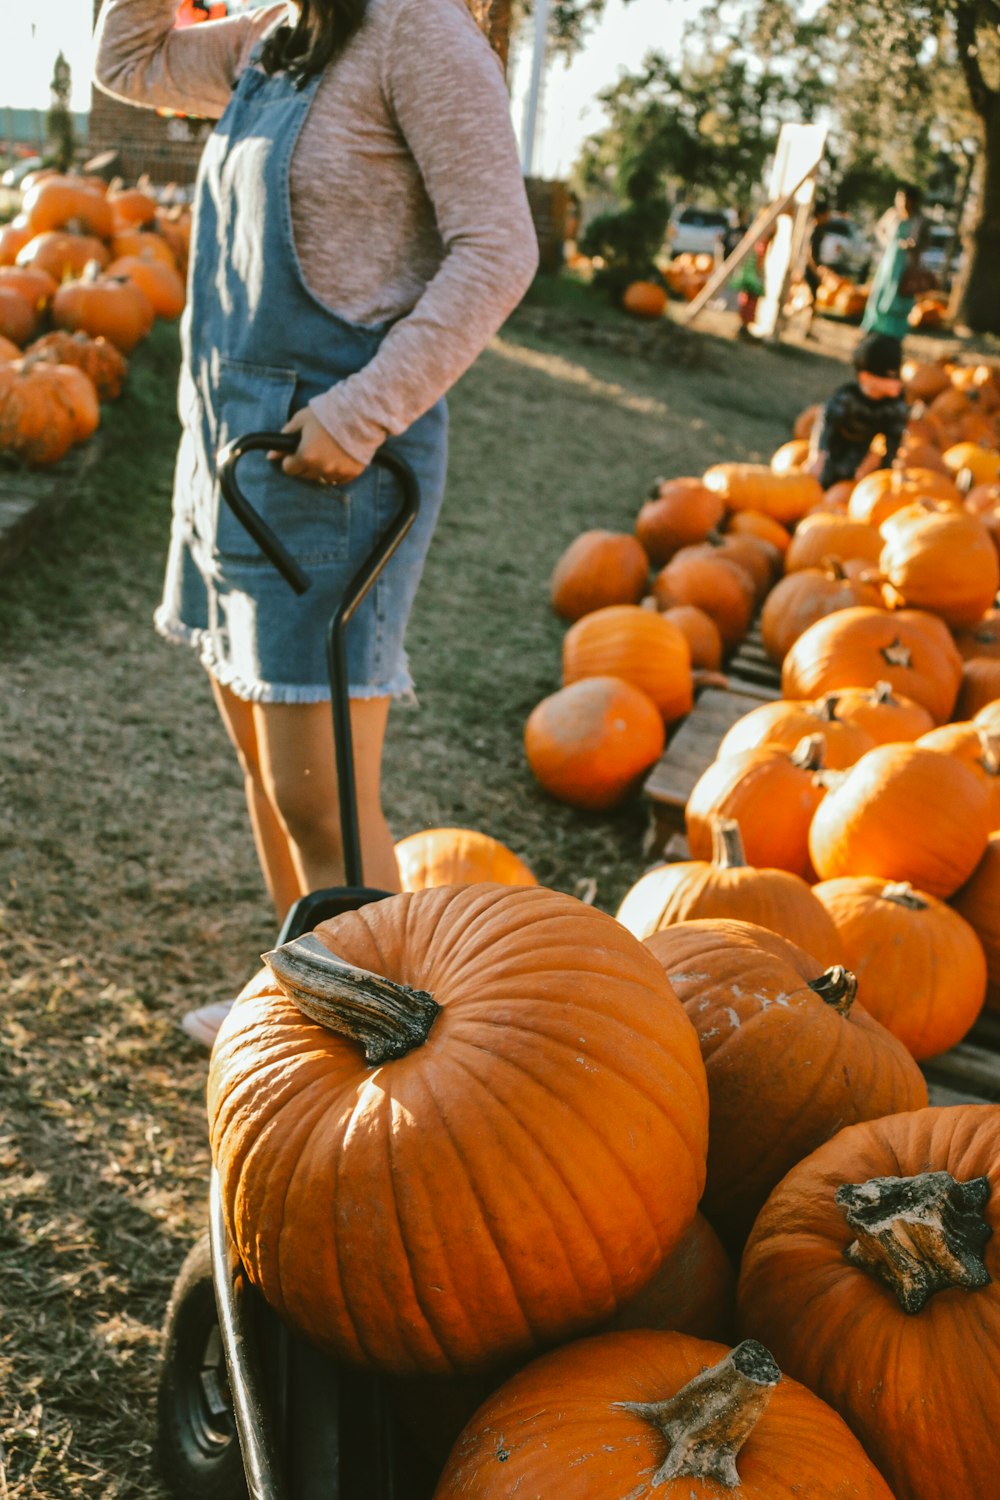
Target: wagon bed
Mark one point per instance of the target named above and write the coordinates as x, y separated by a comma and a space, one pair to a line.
966, 1074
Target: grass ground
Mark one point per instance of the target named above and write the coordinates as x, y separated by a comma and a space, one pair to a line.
128, 889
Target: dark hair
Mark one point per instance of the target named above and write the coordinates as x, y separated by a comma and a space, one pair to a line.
911, 192
323, 28
821, 206
879, 354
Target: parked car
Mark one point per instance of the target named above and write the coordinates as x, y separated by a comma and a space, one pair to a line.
696, 229
14, 176
939, 243
845, 249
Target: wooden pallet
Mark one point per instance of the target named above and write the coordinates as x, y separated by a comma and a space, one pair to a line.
968, 1073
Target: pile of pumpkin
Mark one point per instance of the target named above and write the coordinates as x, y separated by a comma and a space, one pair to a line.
688, 272
84, 271
481, 1139
840, 295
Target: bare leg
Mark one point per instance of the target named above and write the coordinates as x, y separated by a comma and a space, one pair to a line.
299, 778
280, 873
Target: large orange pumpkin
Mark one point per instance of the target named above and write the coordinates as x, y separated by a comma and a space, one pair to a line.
39, 415
980, 686
701, 633
755, 523
67, 203
726, 886
883, 714
750, 787
982, 463
718, 585
33, 283
911, 650
979, 903
104, 307
786, 721
876, 497
790, 1057
978, 748
827, 534
679, 513
637, 645
492, 1136
874, 1274
919, 965
104, 365
808, 595
18, 317
786, 497
162, 284
63, 255
903, 813
644, 299
598, 568
457, 856
589, 743
940, 559
631, 1414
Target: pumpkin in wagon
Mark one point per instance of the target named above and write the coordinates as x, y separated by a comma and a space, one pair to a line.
456, 1125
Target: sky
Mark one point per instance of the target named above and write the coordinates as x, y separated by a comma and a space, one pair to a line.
35, 30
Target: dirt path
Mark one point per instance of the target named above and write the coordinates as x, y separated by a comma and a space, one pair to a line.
127, 880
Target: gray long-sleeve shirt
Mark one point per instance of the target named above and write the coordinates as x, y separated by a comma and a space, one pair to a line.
407, 197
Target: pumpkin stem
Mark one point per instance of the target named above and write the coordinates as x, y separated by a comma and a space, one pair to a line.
883, 692
808, 753
709, 1420
727, 845
838, 987
918, 1235
897, 655
903, 894
834, 568
825, 708
388, 1019
990, 757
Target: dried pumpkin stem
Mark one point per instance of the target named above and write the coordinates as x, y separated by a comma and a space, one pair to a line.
837, 987
897, 655
918, 1235
989, 759
387, 1018
902, 893
809, 752
825, 708
882, 692
727, 845
709, 1420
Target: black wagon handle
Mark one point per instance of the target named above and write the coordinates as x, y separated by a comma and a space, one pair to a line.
336, 652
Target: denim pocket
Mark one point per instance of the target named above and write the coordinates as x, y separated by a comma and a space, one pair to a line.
312, 521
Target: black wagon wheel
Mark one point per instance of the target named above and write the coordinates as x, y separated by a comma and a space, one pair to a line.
197, 1448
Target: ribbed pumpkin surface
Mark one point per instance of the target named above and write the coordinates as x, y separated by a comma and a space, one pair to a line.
508, 1182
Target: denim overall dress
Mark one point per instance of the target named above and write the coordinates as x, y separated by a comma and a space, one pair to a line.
257, 347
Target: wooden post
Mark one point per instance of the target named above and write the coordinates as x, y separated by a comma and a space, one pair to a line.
494, 17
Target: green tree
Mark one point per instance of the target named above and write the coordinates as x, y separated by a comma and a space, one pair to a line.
59, 121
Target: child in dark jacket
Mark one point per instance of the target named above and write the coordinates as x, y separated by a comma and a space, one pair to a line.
859, 410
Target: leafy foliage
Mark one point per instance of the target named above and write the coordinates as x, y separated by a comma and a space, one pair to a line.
59, 121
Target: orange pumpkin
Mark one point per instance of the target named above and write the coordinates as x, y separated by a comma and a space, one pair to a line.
589, 743
717, 584
8, 350
748, 787
790, 1057
161, 283
131, 208
104, 307
693, 1292
982, 463
18, 318
874, 1275
597, 569
404, 1034
876, 497
66, 203
790, 457
13, 238
147, 244
63, 255
644, 299
919, 965
977, 747
36, 285
457, 856
980, 686
701, 633
827, 534
636, 645
679, 513
39, 415
885, 715
922, 380
658, 1413
786, 497
911, 650
787, 721
903, 813
811, 594
940, 559
766, 528
981, 639
979, 903
100, 361
729, 887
